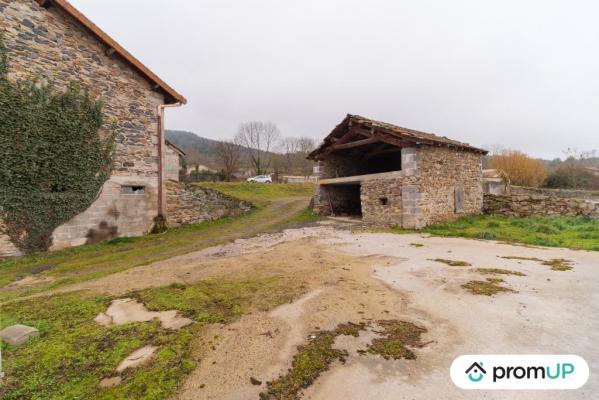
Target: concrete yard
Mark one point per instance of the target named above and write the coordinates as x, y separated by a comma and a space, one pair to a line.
357, 276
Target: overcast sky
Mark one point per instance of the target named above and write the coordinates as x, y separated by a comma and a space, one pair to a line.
520, 73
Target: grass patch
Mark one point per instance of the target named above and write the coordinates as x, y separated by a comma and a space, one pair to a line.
452, 263
261, 193
556, 264
486, 288
522, 258
310, 361
416, 245
88, 262
73, 353
398, 337
492, 271
570, 232
559, 264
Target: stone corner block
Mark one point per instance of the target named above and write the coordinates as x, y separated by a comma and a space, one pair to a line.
16, 335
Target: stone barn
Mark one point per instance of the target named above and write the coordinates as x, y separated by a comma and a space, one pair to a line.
389, 175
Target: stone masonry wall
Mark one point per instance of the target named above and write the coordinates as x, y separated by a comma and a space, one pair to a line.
382, 202
51, 46
189, 204
422, 193
442, 171
526, 202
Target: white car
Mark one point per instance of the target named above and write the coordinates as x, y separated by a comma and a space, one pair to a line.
260, 179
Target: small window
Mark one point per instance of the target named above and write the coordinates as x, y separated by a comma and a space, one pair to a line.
384, 201
133, 189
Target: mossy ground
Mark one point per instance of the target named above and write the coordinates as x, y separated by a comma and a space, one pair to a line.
310, 361
396, 339
499, 271
570, 232
486, 288
452, 263
556, 264
73, 353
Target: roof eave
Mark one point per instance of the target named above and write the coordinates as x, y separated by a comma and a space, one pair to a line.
171, 96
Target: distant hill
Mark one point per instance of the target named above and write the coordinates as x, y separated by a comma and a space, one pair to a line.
189, 140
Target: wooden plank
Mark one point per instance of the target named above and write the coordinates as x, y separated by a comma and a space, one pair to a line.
360, 178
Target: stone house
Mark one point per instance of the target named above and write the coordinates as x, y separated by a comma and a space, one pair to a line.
390, 175
174, 164
494, 182
52, 40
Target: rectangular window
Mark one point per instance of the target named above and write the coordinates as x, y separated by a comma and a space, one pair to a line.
133, 189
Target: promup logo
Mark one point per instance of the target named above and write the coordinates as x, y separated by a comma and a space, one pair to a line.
476, 372
519, 372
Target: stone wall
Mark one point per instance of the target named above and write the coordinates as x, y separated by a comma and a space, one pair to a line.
190, 204
382, 201
51, 46
526, 202
442, 172
423, 192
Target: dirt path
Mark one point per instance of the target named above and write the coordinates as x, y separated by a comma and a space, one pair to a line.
107, 266
364, 277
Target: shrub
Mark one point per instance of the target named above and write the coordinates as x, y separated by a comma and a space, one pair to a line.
521, 169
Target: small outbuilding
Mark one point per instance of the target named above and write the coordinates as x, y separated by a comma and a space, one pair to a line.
389, 175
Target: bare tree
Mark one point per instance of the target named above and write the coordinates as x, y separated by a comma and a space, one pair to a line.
259, 139
228, 154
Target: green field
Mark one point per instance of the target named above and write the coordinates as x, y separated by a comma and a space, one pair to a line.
260, 193
570, 232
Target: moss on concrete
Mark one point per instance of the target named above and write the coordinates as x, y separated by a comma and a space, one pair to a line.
452, 263
489, 287
499, 271
398, 337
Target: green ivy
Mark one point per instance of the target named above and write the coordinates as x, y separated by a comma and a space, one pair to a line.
53, 160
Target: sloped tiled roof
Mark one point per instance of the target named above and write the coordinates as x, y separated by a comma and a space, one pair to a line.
410, 135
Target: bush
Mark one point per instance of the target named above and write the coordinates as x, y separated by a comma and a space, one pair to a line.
521, 169
572, 177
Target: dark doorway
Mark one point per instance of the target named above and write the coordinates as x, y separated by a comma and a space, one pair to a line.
344, 200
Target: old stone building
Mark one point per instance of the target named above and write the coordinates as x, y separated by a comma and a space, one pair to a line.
173, 162
54, 42
390, 175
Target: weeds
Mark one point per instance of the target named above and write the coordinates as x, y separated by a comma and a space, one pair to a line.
491, 271
486, 288
452, 263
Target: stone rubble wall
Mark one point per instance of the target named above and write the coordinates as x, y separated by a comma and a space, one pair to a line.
382, 201
423, 194
49, 45
442, 171
190, 204
526, 202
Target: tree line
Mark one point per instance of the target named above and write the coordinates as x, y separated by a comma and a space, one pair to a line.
262, 148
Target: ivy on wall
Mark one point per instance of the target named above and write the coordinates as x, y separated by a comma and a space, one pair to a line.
53, 158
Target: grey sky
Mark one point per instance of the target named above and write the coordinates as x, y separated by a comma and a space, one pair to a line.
521, 73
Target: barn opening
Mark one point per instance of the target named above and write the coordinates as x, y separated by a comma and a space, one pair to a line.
343, 199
